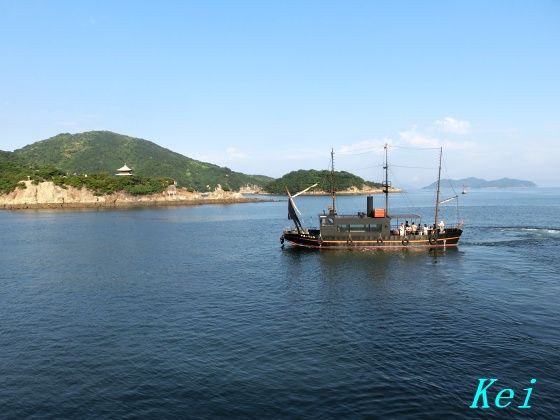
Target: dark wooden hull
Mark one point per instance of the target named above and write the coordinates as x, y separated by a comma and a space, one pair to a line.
313, 240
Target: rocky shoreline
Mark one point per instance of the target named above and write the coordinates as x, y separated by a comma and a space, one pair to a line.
124, 205
46, 195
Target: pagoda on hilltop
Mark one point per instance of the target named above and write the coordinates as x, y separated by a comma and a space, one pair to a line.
124, 171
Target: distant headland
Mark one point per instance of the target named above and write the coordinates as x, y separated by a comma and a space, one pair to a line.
482, 183
106, 169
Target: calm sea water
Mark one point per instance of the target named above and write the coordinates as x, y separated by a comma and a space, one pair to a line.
198, 312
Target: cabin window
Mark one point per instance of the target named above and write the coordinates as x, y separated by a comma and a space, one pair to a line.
374, 227
359, 228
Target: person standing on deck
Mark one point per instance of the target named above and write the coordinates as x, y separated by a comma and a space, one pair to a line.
441, 226
401, 230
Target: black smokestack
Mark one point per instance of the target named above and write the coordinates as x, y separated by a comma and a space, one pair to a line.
369, 206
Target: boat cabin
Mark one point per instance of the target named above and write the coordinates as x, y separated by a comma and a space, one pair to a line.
370, 225
357, 227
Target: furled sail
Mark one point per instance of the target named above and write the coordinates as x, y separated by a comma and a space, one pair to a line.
293, 212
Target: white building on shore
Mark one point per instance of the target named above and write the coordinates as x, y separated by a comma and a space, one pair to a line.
124, 171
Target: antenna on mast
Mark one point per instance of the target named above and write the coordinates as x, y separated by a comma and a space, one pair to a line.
438, 187
333, 185
386, 183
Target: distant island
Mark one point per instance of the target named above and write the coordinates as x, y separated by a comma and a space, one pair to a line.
482, 183
345, 183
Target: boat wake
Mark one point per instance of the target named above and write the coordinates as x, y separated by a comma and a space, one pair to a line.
512, 235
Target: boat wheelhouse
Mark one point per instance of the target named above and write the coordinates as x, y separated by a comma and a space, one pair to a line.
374, 228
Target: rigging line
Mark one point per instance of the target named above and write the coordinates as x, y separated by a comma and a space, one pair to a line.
449, 178
454, 192
415, 167
363, 167
402, 191
365, 152
414, 148
350, 149
373, 149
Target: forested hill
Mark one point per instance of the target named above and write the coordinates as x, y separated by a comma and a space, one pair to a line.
13, 171
299, 180
104, 151
8, 157
482, 183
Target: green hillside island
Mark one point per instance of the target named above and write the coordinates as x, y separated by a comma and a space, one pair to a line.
13, 170
299, 180
482, 183
91, 159
103, 152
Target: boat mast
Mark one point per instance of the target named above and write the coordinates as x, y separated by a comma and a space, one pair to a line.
333, 186
438, 188
386, 185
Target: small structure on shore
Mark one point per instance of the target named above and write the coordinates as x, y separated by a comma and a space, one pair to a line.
124, 171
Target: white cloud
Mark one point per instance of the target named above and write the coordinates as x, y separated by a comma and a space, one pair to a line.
417, 139
353, 157
452, 125
364, 146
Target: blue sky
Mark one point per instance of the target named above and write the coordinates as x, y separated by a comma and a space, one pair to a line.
268, 86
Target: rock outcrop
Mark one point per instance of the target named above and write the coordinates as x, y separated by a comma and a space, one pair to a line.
252, 189
49, 195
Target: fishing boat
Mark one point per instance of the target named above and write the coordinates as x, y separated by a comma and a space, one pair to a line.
464, 191
374, 228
